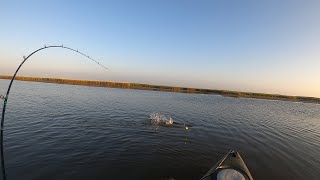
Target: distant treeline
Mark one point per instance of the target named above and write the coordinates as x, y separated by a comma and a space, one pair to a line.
166, 88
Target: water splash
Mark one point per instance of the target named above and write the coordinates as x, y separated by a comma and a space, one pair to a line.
159, 119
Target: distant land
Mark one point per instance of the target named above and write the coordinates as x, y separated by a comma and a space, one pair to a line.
150, 87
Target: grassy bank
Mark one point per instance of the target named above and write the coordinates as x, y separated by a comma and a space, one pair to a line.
166, 88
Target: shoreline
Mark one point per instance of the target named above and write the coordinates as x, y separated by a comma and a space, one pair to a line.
140, 86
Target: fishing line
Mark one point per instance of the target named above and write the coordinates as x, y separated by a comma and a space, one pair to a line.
5, 98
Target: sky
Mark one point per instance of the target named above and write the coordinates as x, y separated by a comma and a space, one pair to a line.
268, 46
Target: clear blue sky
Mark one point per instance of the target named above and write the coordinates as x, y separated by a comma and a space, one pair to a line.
270, 46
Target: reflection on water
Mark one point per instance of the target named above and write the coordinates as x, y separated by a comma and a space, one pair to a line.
71, 132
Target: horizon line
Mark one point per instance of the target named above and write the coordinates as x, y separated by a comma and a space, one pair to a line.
153, 87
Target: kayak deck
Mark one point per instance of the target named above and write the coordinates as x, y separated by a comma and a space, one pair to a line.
230, 167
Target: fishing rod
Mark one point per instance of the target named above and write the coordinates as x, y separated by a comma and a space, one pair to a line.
5, 98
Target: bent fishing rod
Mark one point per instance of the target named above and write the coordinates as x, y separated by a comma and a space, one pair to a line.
5, 98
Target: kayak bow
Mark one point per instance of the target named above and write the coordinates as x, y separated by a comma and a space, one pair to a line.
230, 167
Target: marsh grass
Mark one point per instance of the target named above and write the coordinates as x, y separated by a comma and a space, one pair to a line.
139, 86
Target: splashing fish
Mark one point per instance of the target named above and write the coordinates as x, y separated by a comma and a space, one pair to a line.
159, 119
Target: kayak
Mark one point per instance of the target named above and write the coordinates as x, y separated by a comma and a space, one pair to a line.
230, 167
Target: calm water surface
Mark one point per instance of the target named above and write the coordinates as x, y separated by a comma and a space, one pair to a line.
73, 132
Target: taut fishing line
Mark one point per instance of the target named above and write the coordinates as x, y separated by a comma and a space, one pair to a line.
5, 98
